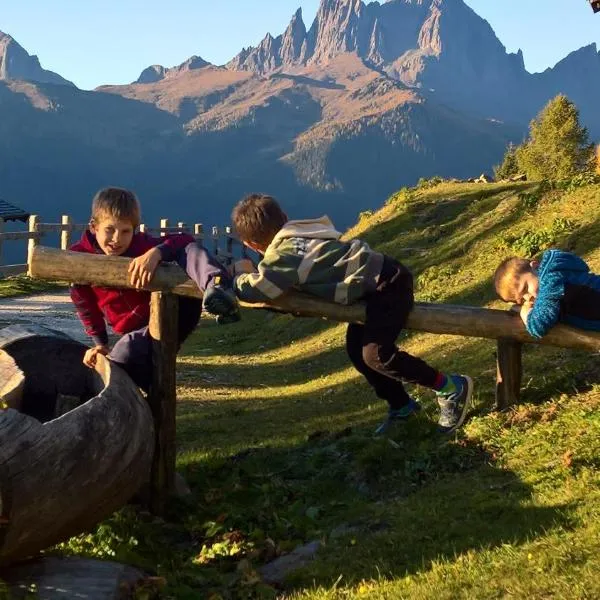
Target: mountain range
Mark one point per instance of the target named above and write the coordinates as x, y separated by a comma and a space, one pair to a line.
332, 118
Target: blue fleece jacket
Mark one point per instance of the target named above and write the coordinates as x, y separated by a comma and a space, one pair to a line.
558, 272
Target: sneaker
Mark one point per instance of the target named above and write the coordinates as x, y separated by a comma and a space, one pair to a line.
454, 406
397, 415
222, 302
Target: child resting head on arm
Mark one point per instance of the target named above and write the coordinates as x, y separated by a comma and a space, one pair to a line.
558, 288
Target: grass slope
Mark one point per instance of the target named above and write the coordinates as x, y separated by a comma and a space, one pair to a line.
22, 285
275, 438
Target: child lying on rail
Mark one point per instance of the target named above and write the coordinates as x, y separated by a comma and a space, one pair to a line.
115, 216
559, 288
310, 256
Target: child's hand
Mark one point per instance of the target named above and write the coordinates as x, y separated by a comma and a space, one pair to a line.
89, 358
524, 312
243, 266
141, 269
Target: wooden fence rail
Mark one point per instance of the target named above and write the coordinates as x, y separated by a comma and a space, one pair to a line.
222, 238
503, 326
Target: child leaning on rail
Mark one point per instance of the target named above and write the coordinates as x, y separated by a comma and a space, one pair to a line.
115, 216
310, 256
558, 288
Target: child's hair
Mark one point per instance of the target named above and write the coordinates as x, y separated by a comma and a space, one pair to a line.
258, 218
507, 273
118, 203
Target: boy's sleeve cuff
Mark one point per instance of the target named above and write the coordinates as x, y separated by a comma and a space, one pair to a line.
100, 340
166, 252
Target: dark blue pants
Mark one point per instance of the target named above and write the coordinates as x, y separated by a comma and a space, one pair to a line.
133, 351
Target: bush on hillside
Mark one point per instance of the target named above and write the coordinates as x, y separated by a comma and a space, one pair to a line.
597, 160
426, 184
558, 147
509, 166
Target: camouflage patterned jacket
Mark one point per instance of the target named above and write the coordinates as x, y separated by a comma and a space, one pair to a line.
309, 256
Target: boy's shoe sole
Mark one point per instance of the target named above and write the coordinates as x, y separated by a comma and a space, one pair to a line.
220, 301
468, 393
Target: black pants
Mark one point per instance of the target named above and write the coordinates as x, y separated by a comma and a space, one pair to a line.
133, 351
372, 346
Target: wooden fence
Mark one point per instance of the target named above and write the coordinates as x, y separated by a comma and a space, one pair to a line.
504, 327
220, 240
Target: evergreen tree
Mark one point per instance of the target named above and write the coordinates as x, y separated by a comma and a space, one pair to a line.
558, 146
509, 166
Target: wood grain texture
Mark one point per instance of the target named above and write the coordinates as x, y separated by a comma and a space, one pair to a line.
509, 373
74, 267
62, 477
162, 396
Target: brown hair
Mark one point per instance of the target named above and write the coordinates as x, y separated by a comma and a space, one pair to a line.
258, 218
118, 203
506, 274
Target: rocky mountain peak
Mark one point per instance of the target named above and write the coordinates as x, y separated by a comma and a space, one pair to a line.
16, 63
156, 73
293, 40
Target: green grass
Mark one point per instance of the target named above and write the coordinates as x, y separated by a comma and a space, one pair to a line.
275, 439
22, 285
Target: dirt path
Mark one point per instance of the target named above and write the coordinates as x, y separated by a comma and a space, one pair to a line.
53, 309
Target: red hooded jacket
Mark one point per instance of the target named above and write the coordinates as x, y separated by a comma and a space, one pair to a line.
125, 310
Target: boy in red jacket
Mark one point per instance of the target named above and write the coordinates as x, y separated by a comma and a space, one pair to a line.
115, 216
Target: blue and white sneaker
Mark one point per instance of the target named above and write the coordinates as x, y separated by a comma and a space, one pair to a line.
454, 406
396, 415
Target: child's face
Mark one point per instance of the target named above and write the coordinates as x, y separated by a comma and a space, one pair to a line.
525, 288
113, 235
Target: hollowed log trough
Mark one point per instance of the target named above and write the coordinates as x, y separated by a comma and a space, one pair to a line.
75, 443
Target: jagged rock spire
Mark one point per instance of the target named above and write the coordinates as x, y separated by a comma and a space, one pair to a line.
293, 40
16, 63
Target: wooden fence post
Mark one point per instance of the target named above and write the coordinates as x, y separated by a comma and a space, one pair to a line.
508, 373
229, 245
34, 240
162, 396
1, 241
164, 223
199, 233
65, 234
215, 237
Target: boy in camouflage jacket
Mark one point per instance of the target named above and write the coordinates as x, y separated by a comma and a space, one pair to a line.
310, 256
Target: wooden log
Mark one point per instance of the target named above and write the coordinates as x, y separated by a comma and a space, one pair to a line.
33, 238
65, 234
508, 372
62, 477
111, 271
101, 270
162, 396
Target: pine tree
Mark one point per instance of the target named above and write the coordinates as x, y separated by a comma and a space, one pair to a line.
558, 146
509, 166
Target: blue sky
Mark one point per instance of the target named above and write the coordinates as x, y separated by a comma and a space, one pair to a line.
93, 43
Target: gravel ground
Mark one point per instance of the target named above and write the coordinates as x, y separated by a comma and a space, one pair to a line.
54, 310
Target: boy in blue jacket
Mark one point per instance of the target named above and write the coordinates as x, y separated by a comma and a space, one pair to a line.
559, 288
